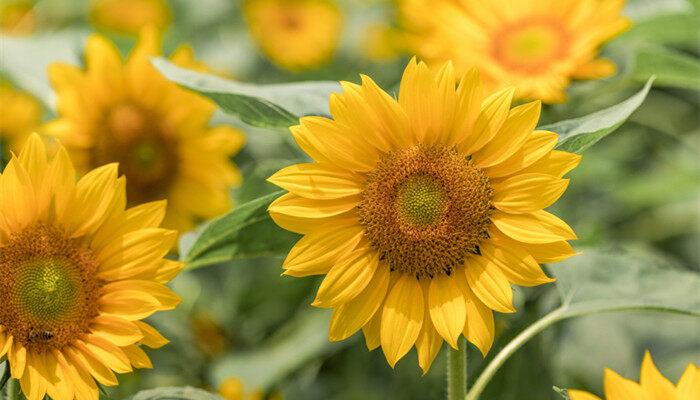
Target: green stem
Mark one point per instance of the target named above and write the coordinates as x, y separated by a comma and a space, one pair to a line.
509, 349
13, 390
457, 371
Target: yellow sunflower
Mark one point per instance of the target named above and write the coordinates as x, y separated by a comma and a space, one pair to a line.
129, 113
538, 46
78, 273
421, 212
130, 16
21, 114
652, 385
17, 17
295, 34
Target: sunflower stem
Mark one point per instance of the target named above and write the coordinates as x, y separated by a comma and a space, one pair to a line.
457, 371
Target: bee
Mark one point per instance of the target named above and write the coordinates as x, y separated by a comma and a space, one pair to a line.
36, 336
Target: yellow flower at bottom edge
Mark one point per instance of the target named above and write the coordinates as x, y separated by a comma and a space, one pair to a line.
21, 114
652, 385
295, 34
421, 212
78, 273
537, 46
157, 132
129, 16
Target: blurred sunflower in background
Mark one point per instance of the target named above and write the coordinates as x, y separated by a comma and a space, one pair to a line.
158, 133
652, 385
234, 389
17, 17
21, 114
295, 34
78, 273
130, 16
421, 212
537, 46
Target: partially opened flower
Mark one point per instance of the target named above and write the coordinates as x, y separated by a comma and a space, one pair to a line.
652, 385
129, 16
421, 212
157, 132
537, 46
21, 114
295, 34
78, 273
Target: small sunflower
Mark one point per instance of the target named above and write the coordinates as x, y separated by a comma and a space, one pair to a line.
129, 16
537, 46
652, 385
21, 114
157, 132
295, 34
18, 17
78, 273
421, 212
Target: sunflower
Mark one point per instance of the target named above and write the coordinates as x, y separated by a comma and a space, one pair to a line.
158, 132
78, 273
652, 385
421, 212
295, 34
21, 114
232, 388
130, 16
537, 46
18, 17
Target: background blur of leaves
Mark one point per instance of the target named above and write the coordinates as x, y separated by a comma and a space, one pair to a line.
638, 188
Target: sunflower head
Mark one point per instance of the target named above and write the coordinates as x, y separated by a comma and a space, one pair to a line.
78, 273
21, 114
536, 46
652, 385
422, 211
127, 112
295, 34
129, 16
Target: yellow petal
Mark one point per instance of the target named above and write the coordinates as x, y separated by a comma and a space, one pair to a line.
689, 384
579, 395
480, 328
595, 69
527, 192
653, 382
108, 354
318, 181
469, 98
619, 388
402, 318
147, 215
537, 146
137, 357
116, 330
448, 310
515, 262
18, 359
556, 163
494, 112
167, 299
80, 355
371, 330
95, 193
32, 382
151, 337
536, 227
129, 304
429, 341
134, 252
353, 315
299, 207
489, 283
550, 252
348, 277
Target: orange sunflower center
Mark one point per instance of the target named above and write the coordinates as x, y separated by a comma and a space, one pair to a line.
144, 145
48, 288
426, 210
530, 46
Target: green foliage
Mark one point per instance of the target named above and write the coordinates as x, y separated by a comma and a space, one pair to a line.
266, 106
174, 393
578, 134
671, 68
245, 232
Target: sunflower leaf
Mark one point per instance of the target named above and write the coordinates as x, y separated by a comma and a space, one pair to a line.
174, 393
245, 232
578, 134
672, 68
276, 106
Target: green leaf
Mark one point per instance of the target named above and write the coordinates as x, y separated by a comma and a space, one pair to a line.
277, 106
246, 232
561, 392
578, 134
630, 278
174, 393
671, 68
303, 340
673, 29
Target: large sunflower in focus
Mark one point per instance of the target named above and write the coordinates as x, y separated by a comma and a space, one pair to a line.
421, 212
157, 132
295, 34
78, 273
652, 385
538, 46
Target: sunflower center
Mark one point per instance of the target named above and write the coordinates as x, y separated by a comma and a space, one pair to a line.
144, 146
530, 46
48, 288
426, 210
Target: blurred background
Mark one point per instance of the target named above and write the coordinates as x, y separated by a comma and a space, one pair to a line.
241, 324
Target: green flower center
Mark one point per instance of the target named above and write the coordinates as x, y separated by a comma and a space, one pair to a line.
48, 288
421, 199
